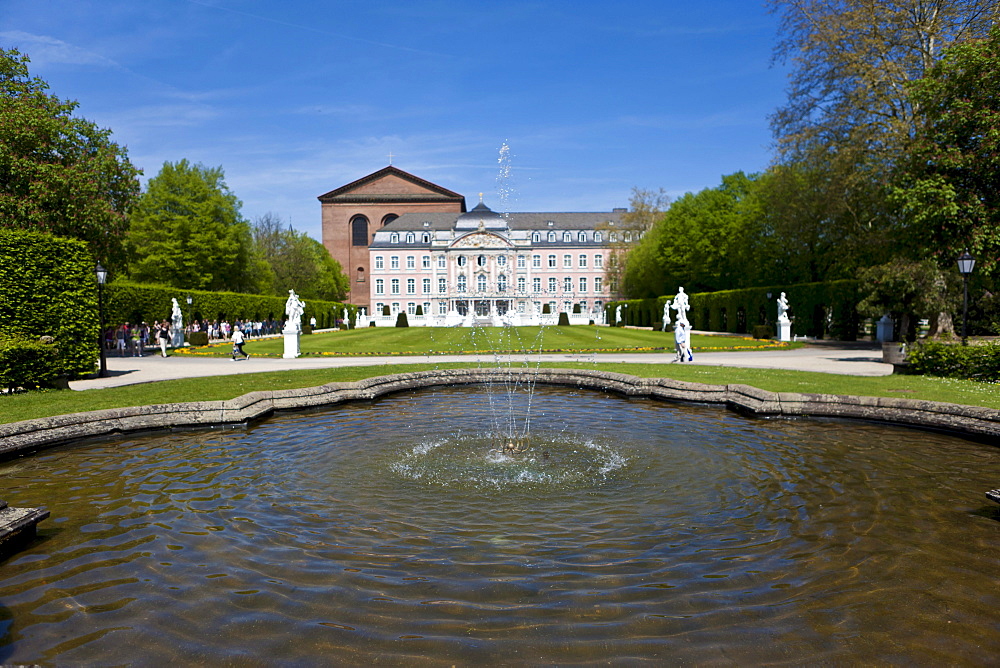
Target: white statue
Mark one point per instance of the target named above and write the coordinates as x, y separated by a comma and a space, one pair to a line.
666, 316
176, 319
783, 309
618, 314
347, 319
294, 308
681, 305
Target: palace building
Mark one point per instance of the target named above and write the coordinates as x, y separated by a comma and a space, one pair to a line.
406, 242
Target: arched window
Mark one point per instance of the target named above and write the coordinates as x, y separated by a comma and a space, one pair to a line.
502, 283
598, 237
481, 283
410, 237
388, 218
394, 238
359, 231
582, 236
536, 237
361, 274
425, 238
481, 260
461, 283
567, 237
552, 236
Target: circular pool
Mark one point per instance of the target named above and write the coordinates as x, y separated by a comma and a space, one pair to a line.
390, 532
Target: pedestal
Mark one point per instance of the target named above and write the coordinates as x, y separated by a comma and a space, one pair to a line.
785, 330
291, 345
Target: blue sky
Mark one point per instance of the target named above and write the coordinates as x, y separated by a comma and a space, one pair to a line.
294, 99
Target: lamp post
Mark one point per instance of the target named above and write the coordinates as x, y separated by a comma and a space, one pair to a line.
966, 263
102, 275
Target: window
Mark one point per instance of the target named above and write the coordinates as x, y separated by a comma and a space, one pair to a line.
481, 283
598, 305
598, 284
502, 261
462, 260
394, 262
567, 261
598, 237
502, 283
379, 262
442, 308
536, 261
378, 308
395, 307
411, 286
567, 284
442, 285
521, 262
410, 237
427, 308
388, 218
410, 262
425, 262
536, 284
613, 237
481, 260
427, 286
567, 237
411, 308
536, 237
379, 286
567, 307
359, 231
461, 283
552, 236
395, 286
552, 283
425, 238
581, 237
442, 262
598, 261
583, 284
520, 283
552, 261
394, 238
628, 236
583, 261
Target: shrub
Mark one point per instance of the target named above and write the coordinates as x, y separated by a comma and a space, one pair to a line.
576, 309
401, 320
386, 310
763, 332
198, 338
49, 289
546, 309
307, 329
563, 319
27, 364
951, 360
371, 324
420, 310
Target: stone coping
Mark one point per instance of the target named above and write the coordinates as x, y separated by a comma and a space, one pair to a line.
21, 437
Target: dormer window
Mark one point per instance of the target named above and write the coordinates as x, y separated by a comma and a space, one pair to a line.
581, 237
550, 223
410, 238
567, 237
425, 238
394, 238
536, 237
426, 223
552, 236
598, 237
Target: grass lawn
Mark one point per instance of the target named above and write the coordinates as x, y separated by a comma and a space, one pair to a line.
30, 405
458, 340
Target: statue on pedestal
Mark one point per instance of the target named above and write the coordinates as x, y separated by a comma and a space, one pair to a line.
681, 305
294, 308
783, 309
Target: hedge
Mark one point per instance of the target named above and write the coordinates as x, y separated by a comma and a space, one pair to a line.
820, 310
48, 288
951, 360
28, 364
134, 302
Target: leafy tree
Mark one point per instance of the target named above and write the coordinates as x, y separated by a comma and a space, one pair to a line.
950, 186
59, 173
646, 208
187, 232
906, 289
298, 261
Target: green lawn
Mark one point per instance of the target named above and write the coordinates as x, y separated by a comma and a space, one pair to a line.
59, 402
458, 340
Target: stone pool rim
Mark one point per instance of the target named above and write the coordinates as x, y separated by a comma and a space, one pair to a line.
18, 438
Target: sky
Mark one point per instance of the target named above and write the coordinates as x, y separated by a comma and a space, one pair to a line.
293, 99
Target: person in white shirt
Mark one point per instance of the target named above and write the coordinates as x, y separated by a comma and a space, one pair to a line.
238, 342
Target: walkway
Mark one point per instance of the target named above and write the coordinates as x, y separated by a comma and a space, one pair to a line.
848, 359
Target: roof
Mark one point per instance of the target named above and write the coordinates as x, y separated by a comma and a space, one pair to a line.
347, 194
515, 221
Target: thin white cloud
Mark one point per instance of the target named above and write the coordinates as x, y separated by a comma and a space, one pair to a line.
44, 50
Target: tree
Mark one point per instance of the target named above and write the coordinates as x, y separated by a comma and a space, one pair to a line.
59, 173
908, 290
646, 207
298, 261
187, 232
950, 185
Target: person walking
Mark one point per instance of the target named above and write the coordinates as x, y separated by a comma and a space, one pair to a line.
238, 342
162, 336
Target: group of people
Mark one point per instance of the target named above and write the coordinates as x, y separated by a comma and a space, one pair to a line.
133, 340
222, 330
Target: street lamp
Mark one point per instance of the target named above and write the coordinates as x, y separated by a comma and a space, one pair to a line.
966, 263
102, 275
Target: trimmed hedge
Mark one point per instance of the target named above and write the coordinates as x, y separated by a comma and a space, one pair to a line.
27, 364
820, 310
135, 302
48, 288
952, 360
563, 319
